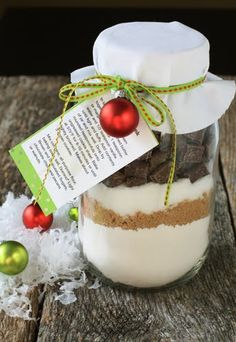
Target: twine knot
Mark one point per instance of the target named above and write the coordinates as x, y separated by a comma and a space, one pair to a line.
120, 83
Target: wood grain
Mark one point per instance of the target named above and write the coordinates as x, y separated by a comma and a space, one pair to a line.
228, 156
202, 310
26, 103
18, 330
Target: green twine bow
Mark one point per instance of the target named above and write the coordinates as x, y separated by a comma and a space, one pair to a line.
135, 91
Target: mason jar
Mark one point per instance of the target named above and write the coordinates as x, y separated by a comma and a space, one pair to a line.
127, 234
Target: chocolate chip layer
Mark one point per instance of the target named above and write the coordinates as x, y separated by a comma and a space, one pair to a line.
193, 151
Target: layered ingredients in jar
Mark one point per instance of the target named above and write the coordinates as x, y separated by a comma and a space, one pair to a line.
126, 231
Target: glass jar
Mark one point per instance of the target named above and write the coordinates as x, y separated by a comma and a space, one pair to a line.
127, 234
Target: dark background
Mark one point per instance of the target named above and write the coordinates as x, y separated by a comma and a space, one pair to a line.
58, 40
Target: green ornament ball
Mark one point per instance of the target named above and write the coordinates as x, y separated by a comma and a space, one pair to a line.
74, 214
13, 257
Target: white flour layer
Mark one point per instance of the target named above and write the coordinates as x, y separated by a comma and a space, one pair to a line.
149, 197
146, 257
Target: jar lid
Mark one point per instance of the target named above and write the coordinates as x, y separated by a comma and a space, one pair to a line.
164, 54
156, 54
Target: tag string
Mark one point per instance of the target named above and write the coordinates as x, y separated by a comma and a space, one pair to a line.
98, 85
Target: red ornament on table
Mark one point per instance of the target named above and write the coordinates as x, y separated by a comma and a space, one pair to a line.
33, 217
119, 117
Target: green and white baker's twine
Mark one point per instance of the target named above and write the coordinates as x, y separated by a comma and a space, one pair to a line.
135, 91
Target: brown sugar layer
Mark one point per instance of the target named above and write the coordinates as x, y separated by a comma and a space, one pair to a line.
180, 214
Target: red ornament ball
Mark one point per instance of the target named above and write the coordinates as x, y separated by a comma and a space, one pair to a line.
33, 217
119, 117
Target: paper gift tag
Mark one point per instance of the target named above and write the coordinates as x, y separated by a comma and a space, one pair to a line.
85, 154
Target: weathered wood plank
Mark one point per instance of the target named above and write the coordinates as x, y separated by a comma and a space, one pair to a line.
228, 155
202, 310
18, 330
26, 103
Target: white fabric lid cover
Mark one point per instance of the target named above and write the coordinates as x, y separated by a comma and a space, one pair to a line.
163, 54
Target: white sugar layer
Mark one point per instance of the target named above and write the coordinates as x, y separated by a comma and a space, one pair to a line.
146, 257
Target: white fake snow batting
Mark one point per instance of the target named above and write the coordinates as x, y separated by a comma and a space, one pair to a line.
53, 255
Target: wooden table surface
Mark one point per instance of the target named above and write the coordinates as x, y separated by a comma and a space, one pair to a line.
202, 310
